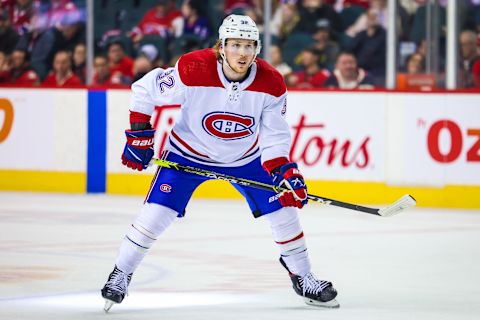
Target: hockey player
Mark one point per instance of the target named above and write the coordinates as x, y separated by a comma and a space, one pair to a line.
232, 121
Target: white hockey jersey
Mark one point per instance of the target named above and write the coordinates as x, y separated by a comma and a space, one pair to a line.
221, 123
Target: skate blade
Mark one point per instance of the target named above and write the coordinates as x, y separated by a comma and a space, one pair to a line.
108, 305
332, 304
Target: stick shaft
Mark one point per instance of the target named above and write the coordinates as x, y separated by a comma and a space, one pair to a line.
259, 185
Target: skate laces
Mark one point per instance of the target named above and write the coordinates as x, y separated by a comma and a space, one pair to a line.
311, 284
118, 281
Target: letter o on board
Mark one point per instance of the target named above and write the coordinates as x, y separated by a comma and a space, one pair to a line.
434, 141
7, 108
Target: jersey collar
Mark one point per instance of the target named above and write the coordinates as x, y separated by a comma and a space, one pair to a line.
244, 83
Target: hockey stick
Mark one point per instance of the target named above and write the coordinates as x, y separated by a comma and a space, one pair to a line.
403, 203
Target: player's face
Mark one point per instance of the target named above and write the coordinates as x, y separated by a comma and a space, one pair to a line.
240, 54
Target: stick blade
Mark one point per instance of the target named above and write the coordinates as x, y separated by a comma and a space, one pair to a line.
405, 202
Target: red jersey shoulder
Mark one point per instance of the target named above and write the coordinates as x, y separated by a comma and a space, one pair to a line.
199, 69
268, 80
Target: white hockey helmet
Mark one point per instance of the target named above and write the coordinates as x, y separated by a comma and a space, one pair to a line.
239, 27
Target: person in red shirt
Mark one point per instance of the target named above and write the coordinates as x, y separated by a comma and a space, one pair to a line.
20, 72
476, 74
62, 75
79, 61
238, 5
120, 64
22, 13
162, 20
311, 75
469, 72
103, 76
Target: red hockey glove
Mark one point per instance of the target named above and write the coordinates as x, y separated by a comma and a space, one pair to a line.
288, 176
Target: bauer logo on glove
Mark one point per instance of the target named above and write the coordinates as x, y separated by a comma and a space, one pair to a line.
143, 143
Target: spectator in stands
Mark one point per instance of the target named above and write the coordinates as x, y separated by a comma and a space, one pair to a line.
21, 15
4, 67
326, 47
369, 47
80, 61
62, 74
20, 72
141, 66
195, 20
311, 75
478, 42
41, 43
163, 20
256, 14
72, 30
238, 6
470, 61
58, 9
102, 75
284, 20
151, 53
277, 62
418, 29
181, 47
313, 12
415, 64
382, 15
414, 77
410, 6
121, 65
8, 36
347, 74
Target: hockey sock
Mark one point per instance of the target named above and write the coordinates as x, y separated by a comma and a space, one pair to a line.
289, 237
150, 223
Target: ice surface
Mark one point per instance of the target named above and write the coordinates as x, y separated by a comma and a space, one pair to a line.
221, 263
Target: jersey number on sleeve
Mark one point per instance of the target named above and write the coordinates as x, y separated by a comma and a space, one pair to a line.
166, 83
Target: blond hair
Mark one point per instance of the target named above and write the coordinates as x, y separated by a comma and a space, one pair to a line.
216, 49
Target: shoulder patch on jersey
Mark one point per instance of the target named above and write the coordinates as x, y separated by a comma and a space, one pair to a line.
268, 80
199, 69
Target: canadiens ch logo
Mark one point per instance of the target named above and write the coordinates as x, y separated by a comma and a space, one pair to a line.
228, 126
165, 188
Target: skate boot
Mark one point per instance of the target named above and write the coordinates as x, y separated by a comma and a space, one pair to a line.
315, 292
116, 288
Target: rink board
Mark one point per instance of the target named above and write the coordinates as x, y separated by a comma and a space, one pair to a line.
368, 147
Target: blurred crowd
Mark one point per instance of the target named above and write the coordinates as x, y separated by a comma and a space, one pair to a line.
315, 43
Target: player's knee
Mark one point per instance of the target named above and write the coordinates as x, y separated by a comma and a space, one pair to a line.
286, 217
285, 225
154, 219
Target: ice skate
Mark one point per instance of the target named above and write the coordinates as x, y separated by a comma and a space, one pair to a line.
116, 288
315, 292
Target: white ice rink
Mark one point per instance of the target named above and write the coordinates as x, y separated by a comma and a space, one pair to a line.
220, 263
